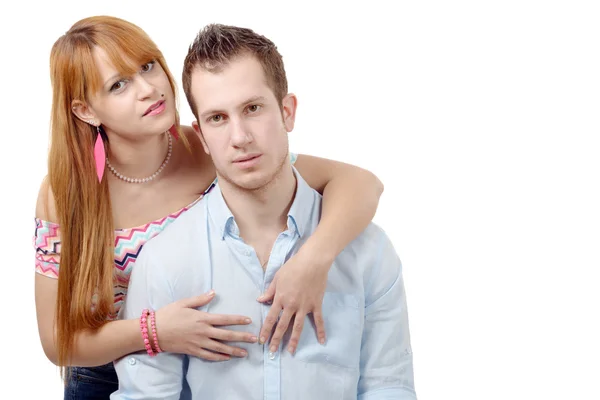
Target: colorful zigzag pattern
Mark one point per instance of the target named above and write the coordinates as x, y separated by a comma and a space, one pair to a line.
128, 245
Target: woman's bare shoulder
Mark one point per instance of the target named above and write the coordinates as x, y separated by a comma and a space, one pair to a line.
45, 208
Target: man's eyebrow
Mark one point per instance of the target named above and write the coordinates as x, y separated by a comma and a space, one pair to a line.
252, 99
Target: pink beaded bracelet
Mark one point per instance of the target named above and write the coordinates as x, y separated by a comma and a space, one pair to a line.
144, 329
154, 335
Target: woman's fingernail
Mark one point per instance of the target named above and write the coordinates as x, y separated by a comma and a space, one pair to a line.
262, 340
260, 298
322, 340
253, 338
211, 293
291, 349
247, 320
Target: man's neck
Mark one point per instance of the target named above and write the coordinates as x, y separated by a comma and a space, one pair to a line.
261, 214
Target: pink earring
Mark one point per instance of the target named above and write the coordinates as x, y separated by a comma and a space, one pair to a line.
99, 155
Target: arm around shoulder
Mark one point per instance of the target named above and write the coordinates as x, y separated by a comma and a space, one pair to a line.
350, 199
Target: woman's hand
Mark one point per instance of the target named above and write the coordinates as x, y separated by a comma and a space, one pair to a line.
182, 329
297, 289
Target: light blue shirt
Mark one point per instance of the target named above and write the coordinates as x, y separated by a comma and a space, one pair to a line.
367, 355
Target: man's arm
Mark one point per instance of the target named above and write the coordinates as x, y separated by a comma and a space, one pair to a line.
140, 375
386, 363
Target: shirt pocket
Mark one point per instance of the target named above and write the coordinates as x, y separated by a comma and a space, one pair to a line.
343, 329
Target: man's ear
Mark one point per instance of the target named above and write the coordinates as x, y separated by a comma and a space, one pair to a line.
82, 111
200, 136
288, 109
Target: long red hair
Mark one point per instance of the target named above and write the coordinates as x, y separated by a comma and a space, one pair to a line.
85, 285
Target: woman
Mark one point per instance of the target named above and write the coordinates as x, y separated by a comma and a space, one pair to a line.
114, 107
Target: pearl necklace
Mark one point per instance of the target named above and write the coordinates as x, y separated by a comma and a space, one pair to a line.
151, 177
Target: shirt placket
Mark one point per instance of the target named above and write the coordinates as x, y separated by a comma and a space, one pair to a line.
272, 360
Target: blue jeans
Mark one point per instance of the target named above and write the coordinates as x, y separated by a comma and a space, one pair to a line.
94, 383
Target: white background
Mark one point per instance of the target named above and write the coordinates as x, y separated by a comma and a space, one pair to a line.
480, 117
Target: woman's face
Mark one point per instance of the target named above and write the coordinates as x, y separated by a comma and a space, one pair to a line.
142, 104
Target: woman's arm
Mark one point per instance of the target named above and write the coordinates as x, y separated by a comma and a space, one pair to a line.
182, 329
111, 341
350, 199
347, 191
108, 343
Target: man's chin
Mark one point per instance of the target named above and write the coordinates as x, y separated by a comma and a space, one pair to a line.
251, 185
253, 181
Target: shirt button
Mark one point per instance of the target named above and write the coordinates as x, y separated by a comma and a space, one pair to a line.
271, 355
132, 361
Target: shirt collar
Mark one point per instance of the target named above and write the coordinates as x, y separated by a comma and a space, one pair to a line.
302, 206
298, 215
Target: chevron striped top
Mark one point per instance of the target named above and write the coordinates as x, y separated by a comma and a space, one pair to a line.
128, 244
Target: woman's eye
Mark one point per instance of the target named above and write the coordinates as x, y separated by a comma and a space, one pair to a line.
148, 66
117, 85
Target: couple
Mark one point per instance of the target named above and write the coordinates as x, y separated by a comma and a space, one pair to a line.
254, 231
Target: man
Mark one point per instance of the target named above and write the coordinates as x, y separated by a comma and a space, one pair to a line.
256, 218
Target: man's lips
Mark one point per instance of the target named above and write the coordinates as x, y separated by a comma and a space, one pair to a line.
246, 158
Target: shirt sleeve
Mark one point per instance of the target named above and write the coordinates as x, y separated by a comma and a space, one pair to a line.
293, 158
140, 375
46, 242
386, 362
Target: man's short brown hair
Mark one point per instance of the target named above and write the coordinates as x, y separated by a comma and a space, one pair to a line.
216, 45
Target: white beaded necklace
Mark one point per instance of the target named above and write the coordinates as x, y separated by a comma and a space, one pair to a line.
151, 177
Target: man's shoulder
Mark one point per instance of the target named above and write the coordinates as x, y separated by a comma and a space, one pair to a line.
369, 249
370, 239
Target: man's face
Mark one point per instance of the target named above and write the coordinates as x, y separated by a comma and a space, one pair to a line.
241, 124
